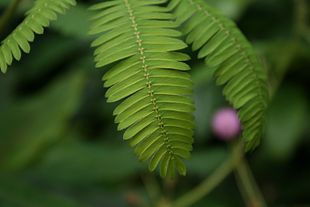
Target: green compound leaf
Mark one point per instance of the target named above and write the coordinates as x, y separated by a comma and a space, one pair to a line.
238, 69
37, 18
149, 77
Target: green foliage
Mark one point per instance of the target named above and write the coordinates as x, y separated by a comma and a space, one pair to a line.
30, 125
38, 17
139, 42
61, 147
17, 193
150, 79
237, 67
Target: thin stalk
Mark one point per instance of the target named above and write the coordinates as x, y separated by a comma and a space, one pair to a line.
213, 180
8, 14
247, 185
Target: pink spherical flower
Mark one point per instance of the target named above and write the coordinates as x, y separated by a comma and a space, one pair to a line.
226, 124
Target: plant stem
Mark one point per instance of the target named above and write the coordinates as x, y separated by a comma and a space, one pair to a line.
247, 185
213, 180
8, 13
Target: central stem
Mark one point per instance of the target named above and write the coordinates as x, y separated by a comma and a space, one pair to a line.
212, 181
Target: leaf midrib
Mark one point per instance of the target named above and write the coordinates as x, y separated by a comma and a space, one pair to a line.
149, 85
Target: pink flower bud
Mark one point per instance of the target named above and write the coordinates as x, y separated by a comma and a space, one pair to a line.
226, 124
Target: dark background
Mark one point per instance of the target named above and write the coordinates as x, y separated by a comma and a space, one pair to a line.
60, 147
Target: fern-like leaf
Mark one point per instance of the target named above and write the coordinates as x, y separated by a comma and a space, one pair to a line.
237, 67
150, 77
38, 17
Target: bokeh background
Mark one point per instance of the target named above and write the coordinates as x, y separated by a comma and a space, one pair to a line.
59, 146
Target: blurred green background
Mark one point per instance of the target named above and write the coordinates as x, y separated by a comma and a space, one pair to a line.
59, 146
